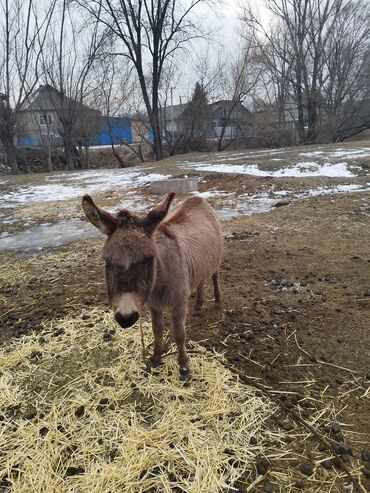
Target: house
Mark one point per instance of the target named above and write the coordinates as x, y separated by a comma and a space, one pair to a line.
38, 122
231, 117
172, 117
234, 116
141, 129
289, 114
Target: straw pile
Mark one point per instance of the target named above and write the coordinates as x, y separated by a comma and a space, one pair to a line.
80, 413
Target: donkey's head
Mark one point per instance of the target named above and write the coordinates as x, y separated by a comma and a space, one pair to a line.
130, 256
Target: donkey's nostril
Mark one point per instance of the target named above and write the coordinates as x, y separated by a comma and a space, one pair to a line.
126, 320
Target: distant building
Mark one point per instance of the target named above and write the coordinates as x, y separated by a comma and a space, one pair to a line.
38, 122
289, 117
235, 117
141, 129
172, 117
113, 129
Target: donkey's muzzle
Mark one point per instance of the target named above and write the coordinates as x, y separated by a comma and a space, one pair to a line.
126, 320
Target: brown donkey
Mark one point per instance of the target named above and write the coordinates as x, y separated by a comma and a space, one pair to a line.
159, 260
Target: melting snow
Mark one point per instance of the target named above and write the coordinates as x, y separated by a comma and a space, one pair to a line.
48, 235
340, 153
315, 169
77, 184
52, 235
302, 169
334, 190
64, 186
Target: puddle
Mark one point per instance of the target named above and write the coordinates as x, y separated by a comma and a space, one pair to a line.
245, 205
54, 235
47, 235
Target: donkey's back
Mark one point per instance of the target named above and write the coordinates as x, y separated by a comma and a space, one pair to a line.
197, 230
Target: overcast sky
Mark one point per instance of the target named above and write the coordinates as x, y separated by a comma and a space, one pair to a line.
224, 25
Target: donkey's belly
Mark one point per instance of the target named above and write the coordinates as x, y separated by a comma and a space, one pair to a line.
203, 259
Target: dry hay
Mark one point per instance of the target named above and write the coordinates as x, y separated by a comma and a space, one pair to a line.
81, 414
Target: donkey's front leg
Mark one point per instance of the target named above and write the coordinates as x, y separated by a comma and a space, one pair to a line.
178, 316
157, 325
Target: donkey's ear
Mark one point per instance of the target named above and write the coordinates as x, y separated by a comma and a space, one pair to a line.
155, 216
99, 218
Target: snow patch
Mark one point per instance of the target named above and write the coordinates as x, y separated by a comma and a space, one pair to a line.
77, 184
339, 153
53, 235
348, 188
302, 169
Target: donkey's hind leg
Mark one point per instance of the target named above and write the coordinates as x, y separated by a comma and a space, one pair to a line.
200, 298
216, 285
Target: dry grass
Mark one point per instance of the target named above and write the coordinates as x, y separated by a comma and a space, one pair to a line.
79, 414
136, 431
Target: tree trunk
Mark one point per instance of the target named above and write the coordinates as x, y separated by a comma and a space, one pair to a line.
87, 157
158, 150
120, 161
152, 111
301, 132
68, 153
312, 122
11, 155
50, 163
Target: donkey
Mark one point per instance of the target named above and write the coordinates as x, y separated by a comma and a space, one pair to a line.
158, 260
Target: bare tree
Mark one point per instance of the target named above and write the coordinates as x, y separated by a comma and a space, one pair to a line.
67, 65
300, 53
86, 127
23, 28
171, 135
239, 77
47, 137
345, 88
150, 32
188, 126
114, 97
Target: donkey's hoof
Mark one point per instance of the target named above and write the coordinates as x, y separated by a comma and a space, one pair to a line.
154, 361
184, 373
197, 312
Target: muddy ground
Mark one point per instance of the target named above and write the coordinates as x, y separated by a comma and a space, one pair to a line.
296, 287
